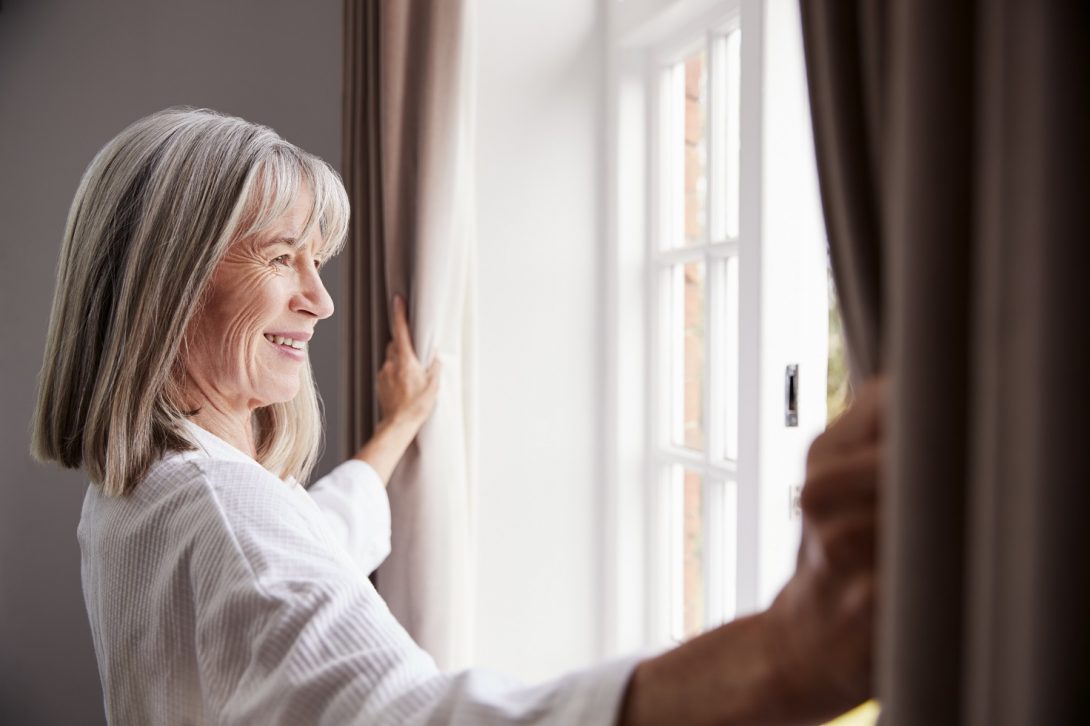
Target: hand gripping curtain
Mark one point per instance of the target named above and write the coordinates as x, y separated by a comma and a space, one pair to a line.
954, 160
408, 155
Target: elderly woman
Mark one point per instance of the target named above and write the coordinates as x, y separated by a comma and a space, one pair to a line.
219, 589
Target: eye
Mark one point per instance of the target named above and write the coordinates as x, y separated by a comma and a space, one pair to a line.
283, 260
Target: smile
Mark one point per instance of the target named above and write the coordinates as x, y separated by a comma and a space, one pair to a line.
281, 340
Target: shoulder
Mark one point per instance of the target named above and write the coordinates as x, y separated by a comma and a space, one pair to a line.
270, 525
220, 510
218, 485
223, 483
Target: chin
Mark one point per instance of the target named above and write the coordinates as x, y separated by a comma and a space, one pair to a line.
279, 395
286, 398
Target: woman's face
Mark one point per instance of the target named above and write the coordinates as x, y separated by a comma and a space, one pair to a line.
247, 345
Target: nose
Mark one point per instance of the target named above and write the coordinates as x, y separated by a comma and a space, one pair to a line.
312, 297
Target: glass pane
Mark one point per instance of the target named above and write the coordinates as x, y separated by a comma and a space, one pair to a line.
688, 493
671, 190
717, 158
721, 548
733, 140
721, 567
729, 550
687, 335
731, 356
694, 177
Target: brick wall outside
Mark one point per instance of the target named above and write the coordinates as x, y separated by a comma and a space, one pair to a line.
693, 505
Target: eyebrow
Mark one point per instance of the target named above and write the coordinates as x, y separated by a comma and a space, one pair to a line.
290, 241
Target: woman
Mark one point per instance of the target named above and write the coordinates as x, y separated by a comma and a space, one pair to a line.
219, 589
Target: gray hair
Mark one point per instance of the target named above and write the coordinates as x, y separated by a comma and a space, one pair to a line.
153, 215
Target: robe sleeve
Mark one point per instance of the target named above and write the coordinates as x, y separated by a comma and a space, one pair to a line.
290, 631
353, 500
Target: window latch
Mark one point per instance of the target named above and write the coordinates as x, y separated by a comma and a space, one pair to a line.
791, 395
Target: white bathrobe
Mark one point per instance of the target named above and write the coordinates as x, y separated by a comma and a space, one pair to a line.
218, 593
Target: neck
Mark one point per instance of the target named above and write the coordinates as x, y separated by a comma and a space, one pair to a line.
235, 431
232, 423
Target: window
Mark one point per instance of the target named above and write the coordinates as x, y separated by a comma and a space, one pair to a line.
695, 263
718, 290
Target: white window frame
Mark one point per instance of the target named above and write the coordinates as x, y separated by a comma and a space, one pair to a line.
782, 303
721, 485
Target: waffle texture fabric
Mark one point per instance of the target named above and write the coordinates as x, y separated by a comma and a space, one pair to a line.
220, 594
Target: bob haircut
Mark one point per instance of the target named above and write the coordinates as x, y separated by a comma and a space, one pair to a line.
154, 214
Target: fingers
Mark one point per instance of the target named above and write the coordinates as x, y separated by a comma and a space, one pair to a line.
402, 342
860, 424
840, 506
829, 603
842, 480
848, 543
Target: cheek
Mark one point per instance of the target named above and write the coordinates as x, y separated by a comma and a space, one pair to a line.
238, 314
240, 337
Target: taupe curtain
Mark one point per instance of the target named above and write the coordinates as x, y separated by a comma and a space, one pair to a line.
952, 143
408, 155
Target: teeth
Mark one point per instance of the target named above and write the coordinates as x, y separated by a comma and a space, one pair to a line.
281, 340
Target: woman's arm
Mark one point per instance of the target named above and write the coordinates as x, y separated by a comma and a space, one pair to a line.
808, 657
352, 496
353, 500
288, 631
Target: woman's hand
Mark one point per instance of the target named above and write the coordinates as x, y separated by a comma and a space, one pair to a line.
406, 395
406, 391
820, 627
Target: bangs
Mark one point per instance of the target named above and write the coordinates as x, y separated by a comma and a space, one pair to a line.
277, 181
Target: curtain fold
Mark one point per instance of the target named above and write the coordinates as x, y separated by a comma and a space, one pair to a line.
953, 159
844, 59
408, 156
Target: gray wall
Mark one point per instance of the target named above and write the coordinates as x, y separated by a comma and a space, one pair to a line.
72, 74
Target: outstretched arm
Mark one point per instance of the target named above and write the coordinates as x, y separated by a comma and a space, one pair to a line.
808, 657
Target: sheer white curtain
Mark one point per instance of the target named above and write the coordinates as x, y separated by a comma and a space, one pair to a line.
408, 163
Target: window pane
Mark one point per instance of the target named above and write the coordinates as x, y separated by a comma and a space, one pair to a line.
732, 143
687, 336
721, 571
729, 605
724, 142
689, 551
671, 189
693, 138
731, 355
